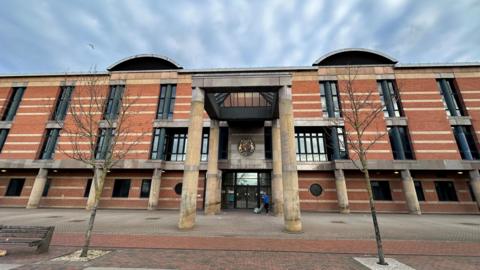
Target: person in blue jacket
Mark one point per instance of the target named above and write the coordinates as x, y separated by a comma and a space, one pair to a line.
266, 202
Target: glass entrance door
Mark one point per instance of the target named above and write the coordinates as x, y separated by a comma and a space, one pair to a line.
242, 190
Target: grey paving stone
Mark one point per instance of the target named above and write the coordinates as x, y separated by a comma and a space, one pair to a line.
371, 263
9, 266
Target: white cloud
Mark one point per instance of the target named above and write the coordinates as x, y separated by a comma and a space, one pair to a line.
54, 36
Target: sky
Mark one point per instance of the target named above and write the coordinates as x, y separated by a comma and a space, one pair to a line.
45, 36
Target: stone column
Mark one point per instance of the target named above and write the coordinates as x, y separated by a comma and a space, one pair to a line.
91, 194
410, 193
475, 184
342, 194
188, 205
291, 200
37, 189
212, 202
277, 185
155, 189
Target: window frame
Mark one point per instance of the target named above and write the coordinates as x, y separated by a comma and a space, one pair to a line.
3, 137
330, 96
15, 191
13, 102
147, 193
117, 190
419, 190
50, 140
63, 101
377, 191
393, 102
455, 97
166, 101
446, 195
114, 102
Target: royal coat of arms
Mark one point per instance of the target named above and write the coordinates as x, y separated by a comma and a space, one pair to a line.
246, 147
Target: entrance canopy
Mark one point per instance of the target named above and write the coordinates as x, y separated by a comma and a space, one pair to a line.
242, 97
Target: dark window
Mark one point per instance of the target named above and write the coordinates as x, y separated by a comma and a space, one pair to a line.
446, 191
62, 103
145, 188
103, 142
381, 190
330, 99
389, 98
3, 137
158, 144
268, 142
223, 143
204, 152
466, 142
400, 142
114, 101
337, 142
121, 188
419, 190
470, 189
15, 187
310, 145
166, 102
316, 190
87, 188
13, 103
48, 148
450, 97
178, 189
176, 144
47, 187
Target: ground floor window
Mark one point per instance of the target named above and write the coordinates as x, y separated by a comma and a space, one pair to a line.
87, 188
145, 188
446, 191
47, 187
419, 190
15, 187
121, 188
381, 190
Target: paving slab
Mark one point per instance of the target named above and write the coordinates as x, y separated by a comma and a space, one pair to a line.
9, 266
392, 264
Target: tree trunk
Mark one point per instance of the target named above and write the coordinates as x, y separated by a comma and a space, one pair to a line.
98, 185
378, 238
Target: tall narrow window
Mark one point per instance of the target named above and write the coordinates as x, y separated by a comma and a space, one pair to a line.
15, 187
121, 188
88, 186
62, 103
204, 152
466, 142
145, 188
166, 102
310, 145
3, 137
446, 191
48, 148
268, 142
337, 148
13, 102
114, 101
176, 145
103, 142
330, 99
401, 147
390, 99
450, 97
381, 190
223, 143
158, 144
46, 188
419, 190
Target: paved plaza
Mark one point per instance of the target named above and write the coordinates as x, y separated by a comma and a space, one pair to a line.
243, 240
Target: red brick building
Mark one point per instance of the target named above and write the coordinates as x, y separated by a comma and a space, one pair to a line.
431, 120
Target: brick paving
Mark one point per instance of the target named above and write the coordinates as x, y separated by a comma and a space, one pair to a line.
244, 241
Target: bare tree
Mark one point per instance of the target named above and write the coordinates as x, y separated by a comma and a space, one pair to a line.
99, 131
364, 128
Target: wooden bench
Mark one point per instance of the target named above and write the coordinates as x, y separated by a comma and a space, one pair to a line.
32, 235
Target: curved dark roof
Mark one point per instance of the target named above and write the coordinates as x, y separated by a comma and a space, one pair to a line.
354, 56
144, 62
